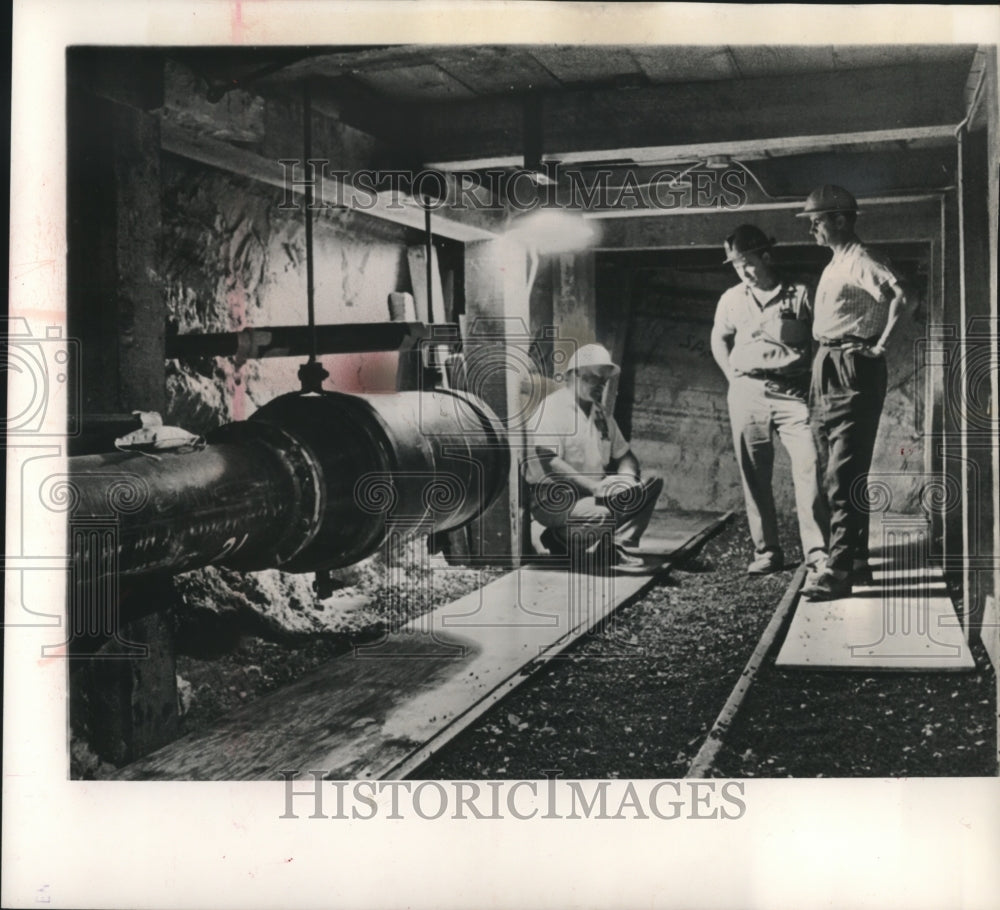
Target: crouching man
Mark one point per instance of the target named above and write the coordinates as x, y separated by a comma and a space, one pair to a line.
581, 470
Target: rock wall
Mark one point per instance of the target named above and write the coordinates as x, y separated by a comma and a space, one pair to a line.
232, 257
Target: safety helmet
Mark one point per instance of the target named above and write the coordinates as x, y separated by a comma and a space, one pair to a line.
746, 239
826, 199
594, 356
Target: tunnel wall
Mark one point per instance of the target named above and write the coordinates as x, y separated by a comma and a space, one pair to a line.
232, 257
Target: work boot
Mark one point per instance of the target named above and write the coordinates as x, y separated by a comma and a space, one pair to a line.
861, 574
627, 563
552, 542
766, 563
815, 564
830, 584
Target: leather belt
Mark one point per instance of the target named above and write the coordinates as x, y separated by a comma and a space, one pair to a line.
846, 340
776, 376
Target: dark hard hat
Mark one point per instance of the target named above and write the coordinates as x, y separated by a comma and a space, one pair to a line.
828, 198
746, 239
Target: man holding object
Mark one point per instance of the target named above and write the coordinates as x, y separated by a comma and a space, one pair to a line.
580, 467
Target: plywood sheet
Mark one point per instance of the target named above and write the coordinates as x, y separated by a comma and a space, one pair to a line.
905, 621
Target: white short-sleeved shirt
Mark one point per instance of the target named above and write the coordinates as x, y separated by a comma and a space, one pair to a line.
852, 298
761, 334
574, 436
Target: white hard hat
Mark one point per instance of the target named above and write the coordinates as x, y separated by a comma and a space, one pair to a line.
594, 356
828, 199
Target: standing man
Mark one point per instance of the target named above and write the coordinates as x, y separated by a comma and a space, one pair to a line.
858, 302
580, 467
761, 341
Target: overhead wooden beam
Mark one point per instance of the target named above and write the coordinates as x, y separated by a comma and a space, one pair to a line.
881, 222
398, 208
700, 113
790, 206
748, 150
976, 80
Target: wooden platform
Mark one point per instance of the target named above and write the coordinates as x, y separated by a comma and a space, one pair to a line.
905, 621
382, 710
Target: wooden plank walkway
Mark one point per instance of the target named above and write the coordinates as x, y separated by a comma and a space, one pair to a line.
382, 710
905, 621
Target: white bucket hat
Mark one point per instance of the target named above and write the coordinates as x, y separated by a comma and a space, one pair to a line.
593, 356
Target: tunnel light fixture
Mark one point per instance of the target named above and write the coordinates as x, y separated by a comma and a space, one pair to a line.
549, 231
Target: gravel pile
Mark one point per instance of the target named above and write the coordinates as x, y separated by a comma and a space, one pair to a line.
228, 658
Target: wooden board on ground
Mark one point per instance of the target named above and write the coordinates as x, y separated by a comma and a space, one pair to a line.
382, 710
905, 621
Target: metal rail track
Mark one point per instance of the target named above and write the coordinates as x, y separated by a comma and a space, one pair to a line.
430, 748
704, 760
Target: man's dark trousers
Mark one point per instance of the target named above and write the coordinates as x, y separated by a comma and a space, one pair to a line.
845, 403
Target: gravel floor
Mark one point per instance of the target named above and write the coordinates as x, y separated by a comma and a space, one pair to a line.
637, 699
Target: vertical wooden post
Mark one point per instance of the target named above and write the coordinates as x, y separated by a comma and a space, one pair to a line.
113, 195
948, 441
991, 616
978, 369
498, 364
125, 705
934, 377
574, 306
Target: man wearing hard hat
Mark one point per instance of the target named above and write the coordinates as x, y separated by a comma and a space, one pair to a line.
761, 340
858, 302
580, 468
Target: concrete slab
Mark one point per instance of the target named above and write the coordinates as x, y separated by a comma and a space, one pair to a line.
904, 621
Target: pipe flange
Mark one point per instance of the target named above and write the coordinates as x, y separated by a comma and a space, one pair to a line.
301, 466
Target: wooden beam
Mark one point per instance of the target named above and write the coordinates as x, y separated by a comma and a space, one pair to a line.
574, 309
991, 618
496, 347
748, 150
774, 146
114, 307
697, 113
946, 342
472, 225
882, 221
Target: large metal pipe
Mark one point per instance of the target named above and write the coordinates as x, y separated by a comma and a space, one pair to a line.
417, 461
311, 481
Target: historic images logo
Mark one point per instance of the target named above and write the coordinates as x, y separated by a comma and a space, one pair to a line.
504, 190
314, 796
